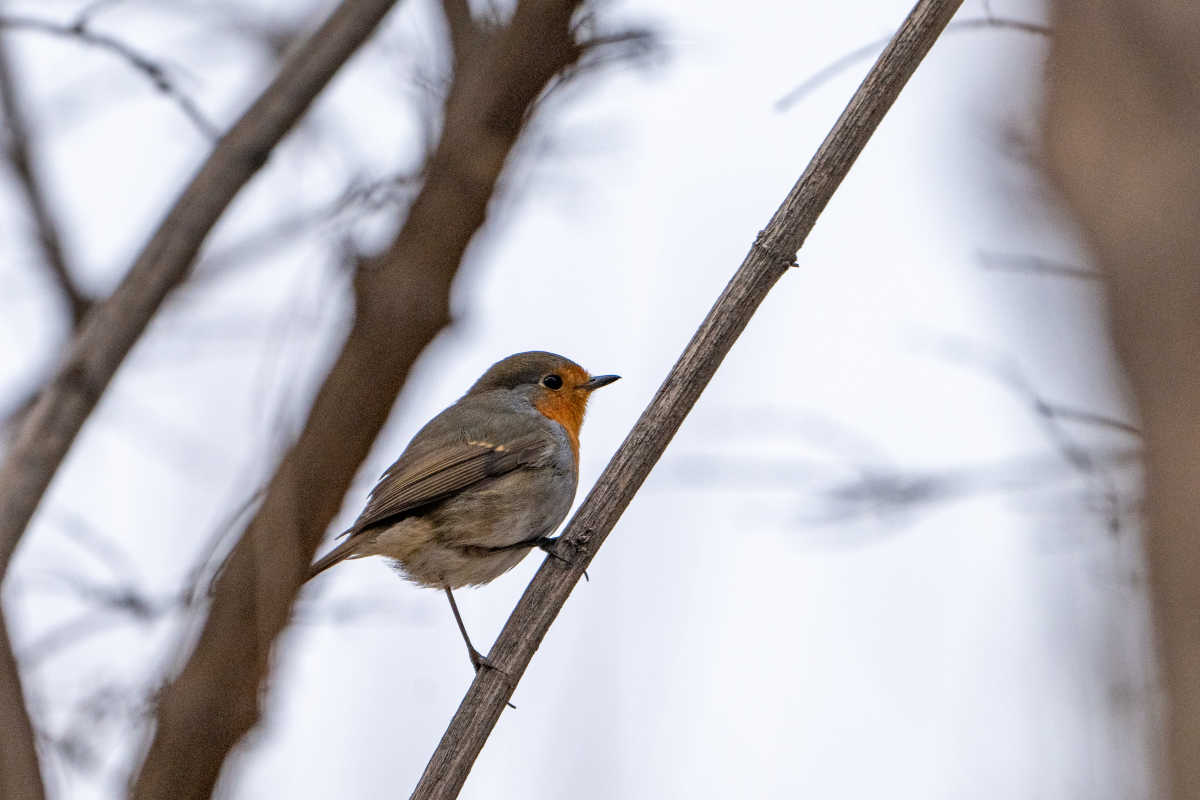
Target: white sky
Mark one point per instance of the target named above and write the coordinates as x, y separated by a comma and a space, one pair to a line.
729, 643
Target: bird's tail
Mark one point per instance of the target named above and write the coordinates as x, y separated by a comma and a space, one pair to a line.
338, 554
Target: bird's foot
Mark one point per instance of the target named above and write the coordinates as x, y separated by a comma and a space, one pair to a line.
549, 545
480, 661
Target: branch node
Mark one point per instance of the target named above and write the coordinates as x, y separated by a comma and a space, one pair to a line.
778, 257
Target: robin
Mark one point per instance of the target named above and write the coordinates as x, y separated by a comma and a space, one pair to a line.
483, 483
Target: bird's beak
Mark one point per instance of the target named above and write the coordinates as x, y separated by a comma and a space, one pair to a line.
599, 380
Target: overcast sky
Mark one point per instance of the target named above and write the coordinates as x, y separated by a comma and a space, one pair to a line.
753, 627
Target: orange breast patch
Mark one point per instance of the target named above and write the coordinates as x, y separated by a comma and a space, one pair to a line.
566, 407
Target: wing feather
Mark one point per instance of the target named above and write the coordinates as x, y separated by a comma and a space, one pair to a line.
418, 480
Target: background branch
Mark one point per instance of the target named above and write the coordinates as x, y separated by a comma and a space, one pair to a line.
1141, 57
843, 63
110, 331
462, 27
767, 261
80, 31
19, 157
402, 301
20, 775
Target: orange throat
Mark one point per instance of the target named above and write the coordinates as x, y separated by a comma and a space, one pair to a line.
566, 409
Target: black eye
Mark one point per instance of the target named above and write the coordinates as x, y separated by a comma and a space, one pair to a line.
552, 382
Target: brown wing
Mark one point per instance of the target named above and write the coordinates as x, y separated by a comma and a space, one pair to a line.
415, 481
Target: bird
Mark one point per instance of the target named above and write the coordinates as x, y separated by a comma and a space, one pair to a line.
482, 483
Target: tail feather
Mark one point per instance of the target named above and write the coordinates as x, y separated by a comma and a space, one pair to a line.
335, 556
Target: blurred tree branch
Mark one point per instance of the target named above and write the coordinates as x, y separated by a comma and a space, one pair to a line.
17, 152
1122, 134
772, 253
401, 302
20, 775
111, 329
81, 31
1036, 265
19, 156
389, 192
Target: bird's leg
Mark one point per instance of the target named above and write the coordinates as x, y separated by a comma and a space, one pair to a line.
547, 544
478, 660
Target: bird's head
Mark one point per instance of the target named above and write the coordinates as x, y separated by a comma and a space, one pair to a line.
558, 387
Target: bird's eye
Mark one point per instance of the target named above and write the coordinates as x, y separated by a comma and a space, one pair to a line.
552, 382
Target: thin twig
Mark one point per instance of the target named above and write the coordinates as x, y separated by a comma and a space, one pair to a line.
769, 258
359, 196
1092, 418
1099, 479
93, 9
843, 63
883, 489
1037, 265
80, 31
21, 159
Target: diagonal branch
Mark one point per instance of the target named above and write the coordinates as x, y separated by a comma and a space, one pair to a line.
22, 163
111, 329
20, 775
769, 258
402, 301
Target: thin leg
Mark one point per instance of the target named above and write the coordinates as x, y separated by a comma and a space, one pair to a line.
478, 661
544, 543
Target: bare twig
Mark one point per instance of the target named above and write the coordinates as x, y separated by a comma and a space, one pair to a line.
93, 9
1050, 416
215, 699
462, 26
359, 196
22, 163
843, 63
770, 256
111, 329
80, 31
882, 489
1037, 265
1092, 418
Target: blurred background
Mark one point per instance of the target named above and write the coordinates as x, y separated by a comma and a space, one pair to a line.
894, 549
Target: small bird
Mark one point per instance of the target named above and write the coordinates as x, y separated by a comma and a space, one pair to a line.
483, 483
